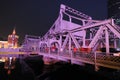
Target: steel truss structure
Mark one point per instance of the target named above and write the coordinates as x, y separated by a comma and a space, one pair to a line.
76, 31
79, 30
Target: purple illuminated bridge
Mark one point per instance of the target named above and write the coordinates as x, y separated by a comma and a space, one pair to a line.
76, 38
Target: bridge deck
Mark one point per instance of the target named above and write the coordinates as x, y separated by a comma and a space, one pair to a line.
108, 61
98, 59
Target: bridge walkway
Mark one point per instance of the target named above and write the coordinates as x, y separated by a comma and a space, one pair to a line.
97, 59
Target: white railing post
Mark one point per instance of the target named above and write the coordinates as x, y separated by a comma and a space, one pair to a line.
95, 60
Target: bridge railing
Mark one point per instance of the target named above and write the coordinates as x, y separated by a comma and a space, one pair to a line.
97, 59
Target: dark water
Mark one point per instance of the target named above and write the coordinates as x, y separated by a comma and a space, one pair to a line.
32, 68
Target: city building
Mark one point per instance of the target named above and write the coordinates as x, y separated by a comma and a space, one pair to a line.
114, 10
13, 40
3, 44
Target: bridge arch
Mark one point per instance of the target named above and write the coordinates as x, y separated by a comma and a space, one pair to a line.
55, 46
43, 47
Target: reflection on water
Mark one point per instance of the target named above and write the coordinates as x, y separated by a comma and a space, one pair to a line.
32, 68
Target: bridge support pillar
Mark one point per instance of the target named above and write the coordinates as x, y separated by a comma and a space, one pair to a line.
49, 61
96, 68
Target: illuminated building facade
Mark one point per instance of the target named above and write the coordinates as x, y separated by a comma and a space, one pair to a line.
114, 10
13, 39
3, 44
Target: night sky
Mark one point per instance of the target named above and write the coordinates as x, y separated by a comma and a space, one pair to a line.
35, 17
